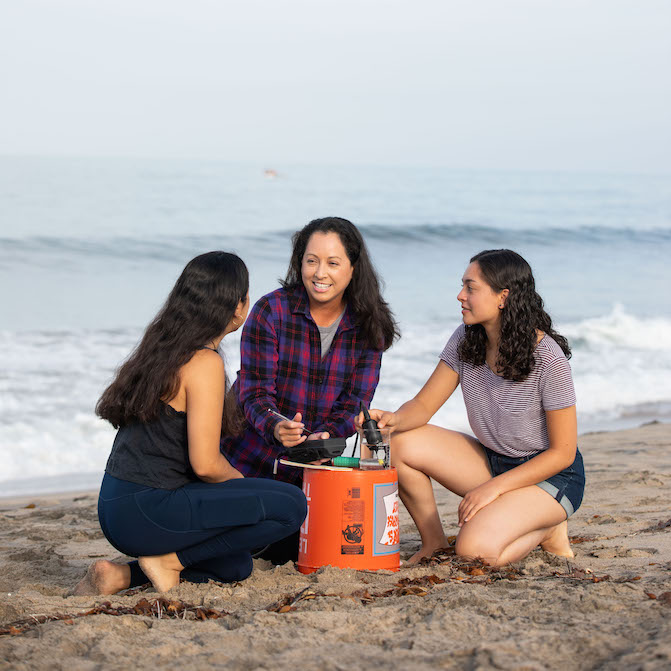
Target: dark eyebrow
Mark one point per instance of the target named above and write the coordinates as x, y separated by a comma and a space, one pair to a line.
328, 257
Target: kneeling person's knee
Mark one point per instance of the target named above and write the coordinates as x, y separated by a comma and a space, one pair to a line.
477, 548
294, 507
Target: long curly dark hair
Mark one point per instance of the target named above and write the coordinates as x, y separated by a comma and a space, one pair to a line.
372, 313
198, 310
521, 318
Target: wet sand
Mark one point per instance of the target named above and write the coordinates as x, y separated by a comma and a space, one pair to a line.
609, 608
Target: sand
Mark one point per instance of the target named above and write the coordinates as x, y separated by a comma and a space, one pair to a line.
598, 611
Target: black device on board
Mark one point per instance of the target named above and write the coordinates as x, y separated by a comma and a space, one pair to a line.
313, 450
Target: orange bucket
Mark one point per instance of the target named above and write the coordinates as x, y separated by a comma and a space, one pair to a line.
352, 520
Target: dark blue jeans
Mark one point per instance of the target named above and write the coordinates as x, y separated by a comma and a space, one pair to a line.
211, 527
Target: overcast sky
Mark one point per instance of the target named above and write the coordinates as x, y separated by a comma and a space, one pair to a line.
502, 84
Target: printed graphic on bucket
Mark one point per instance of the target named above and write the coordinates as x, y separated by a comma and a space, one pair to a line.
386, 540
353, 516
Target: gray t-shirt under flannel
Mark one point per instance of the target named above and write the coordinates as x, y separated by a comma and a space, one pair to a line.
327, 333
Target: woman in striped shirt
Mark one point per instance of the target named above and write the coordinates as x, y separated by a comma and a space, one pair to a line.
522, 476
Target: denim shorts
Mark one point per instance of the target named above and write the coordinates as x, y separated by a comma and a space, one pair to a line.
567, 487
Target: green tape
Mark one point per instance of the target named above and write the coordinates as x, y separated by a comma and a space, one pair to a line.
349, 462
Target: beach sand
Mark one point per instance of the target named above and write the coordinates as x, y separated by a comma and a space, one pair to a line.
610, 608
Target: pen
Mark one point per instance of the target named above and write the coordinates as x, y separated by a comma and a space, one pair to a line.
286, 419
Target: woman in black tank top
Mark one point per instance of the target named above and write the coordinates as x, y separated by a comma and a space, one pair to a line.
169, 497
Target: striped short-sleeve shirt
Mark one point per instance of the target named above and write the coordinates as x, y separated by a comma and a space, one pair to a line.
506, 416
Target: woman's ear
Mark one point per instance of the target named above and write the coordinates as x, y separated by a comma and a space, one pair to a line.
502, 298
241, 309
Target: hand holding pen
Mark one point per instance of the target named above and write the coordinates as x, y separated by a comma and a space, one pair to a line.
289, 431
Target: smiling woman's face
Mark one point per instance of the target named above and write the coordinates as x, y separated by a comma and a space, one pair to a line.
326, 270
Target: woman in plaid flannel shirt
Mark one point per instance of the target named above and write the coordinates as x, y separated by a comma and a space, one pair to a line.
310, 350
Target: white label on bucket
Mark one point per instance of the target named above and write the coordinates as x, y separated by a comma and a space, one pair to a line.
303, 538
390, 533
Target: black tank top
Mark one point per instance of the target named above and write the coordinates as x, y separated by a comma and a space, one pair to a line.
155, 454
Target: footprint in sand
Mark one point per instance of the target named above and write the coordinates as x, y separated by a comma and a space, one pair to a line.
649, 500
619, 551
601, 519
647, 478
609, 519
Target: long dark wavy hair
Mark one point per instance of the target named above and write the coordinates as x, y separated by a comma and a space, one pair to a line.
522, 316
198, 310
372, 314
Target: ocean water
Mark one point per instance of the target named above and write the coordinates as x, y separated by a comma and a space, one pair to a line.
89, 249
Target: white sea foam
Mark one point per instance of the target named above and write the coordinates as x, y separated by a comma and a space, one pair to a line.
621, 366
622, 331
50, 381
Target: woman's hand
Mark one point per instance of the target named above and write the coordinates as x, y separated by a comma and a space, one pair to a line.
384, 418
319, 436
478, 498
290, 433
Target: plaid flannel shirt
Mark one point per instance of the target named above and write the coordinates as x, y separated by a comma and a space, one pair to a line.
282, 369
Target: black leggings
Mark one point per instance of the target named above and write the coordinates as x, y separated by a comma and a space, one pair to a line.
211, 527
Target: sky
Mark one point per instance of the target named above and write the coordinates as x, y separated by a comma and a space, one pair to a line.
479, 84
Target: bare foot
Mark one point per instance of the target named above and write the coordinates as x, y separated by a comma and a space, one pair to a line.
162, 570
421, 553
557, 542
103, 577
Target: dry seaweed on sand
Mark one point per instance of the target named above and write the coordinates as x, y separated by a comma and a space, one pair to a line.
288, 602
467, 570
664, 598
157, 608
419, 586
659, 526
404, 587
576, 540
478, 572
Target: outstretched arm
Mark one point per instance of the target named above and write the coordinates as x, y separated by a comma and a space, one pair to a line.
419, 410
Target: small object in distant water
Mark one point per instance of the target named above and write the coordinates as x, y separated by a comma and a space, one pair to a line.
270, 174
